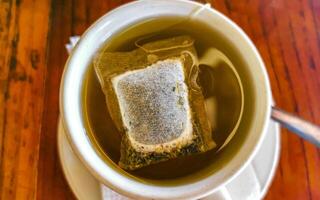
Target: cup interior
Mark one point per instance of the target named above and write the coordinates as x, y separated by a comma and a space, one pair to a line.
229, 39
228, 96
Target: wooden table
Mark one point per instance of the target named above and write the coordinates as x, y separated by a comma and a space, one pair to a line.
32, 56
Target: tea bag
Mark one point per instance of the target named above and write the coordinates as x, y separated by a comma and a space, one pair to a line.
154, 99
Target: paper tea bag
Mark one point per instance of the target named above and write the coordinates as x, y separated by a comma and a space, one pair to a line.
154, 99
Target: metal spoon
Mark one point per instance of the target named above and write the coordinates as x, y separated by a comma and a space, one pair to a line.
302, 128
223, 92
219, 76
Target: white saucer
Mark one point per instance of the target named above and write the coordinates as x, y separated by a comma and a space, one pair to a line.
252, 183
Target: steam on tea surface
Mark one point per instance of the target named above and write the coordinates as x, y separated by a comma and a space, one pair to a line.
104, 129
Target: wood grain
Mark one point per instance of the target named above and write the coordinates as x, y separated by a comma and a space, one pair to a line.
23, 41
32, 56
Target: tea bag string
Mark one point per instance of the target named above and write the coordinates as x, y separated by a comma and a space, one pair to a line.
198, 10
188, 44
192, 76
192, 16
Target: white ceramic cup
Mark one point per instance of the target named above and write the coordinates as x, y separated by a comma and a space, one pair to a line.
257, 103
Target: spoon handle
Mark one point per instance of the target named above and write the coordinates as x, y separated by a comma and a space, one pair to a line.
304, 129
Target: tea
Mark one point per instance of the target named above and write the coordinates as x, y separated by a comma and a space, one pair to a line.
100, 127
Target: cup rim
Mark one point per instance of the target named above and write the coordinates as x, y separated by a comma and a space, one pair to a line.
68, 110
